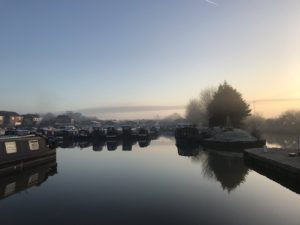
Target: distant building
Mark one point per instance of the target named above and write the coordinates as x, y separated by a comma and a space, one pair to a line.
10, 119
1, 120
31, 120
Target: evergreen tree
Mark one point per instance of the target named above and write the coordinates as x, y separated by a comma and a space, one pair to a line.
227, 105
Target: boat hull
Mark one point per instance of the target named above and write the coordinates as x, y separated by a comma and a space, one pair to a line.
233, 145
21, 150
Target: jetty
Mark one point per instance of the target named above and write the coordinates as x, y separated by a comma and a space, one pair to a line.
280, 165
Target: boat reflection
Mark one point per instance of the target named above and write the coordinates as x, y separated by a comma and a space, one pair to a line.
111, 145
143, 143
11, 184
98, 145
127, 144
189, 150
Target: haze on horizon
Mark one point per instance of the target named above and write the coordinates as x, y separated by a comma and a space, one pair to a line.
77, 55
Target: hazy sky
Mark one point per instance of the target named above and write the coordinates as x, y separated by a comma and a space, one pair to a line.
67, 55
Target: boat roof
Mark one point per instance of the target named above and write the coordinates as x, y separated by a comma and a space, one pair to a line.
13, 137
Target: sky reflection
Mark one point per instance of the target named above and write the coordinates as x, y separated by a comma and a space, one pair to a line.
153, 185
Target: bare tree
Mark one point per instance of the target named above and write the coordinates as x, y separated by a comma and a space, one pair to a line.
196, 110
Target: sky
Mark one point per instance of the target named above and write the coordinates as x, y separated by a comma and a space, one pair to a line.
59, 55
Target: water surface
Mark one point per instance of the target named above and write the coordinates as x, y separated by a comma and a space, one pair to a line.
155, 184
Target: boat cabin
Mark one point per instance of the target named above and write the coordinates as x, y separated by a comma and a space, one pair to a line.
21, 150
186, 131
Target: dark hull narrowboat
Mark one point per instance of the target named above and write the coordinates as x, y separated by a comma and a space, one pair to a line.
98, 145
17, 153
188, 150
127, 131
84, 144
98, 133
154, 133
67, 143
112, 133
127, 144
187, 135
143, 133
68, 132
143, 143
111, 145
83, 135
11, 184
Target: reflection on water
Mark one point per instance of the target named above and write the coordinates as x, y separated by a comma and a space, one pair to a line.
188, 150
110, 145
146, 182
228, 168
14, 183
286, 141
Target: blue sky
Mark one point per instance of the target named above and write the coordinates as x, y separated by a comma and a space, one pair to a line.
66, 55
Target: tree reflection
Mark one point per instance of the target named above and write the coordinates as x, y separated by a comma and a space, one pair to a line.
228, 168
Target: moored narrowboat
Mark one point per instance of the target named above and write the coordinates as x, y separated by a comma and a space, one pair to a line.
20, 152
111, 145
111, 133
98, 145
143, 143
186, 134
98, 133
83, 135
154, 132
143, 133
129, 132
126, 131
66, 132
127, 145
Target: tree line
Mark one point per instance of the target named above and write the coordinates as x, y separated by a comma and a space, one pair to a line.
225, 106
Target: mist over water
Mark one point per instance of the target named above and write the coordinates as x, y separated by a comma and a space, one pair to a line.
123, 113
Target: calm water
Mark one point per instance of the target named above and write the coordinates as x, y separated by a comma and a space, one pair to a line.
157, 184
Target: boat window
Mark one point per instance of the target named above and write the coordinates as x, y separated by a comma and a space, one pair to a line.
11, 147
34, 145
10, 189
33, 179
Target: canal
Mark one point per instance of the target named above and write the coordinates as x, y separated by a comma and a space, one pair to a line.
154, 184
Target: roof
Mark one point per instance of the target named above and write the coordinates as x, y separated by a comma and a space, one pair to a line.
31, 115
8, 113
